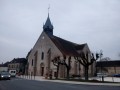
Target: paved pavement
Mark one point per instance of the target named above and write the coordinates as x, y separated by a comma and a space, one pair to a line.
39, 78
24, 84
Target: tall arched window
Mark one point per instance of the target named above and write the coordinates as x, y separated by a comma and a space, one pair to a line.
32, 62
42, 56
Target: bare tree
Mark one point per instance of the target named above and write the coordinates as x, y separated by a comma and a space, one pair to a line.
86, 59
56, 61
67, 65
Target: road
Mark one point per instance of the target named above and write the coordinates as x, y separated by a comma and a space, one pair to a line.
22, 84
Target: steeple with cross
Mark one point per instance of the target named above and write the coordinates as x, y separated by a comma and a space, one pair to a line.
48, 27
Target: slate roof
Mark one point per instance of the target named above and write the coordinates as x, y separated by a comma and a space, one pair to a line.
115, 63
18, 60
4, 65
67, 47
15, 60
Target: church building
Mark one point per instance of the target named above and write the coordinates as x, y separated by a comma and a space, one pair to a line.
49, 46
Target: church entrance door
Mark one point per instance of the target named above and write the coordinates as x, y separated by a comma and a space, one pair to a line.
42, 71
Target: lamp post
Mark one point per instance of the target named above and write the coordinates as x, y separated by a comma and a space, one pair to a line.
102, 75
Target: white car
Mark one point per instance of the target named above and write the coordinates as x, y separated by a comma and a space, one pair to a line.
12, 73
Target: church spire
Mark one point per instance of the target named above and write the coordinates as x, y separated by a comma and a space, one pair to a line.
48, 23
48, 27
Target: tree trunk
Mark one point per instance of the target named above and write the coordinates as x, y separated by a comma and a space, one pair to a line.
57, 72
86, 73
68, 68
67, 73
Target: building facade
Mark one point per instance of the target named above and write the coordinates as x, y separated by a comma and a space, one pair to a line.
49, 46
4, 67
17, 64
108, 67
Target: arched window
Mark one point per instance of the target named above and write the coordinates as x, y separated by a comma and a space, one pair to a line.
32, 62
42, 56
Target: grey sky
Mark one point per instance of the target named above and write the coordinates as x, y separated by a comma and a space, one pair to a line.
96, 22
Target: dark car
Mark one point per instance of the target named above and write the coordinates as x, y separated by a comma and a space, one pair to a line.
116, 75
5, 75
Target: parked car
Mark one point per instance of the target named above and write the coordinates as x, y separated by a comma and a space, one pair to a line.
5, 75
116, 75
101, 74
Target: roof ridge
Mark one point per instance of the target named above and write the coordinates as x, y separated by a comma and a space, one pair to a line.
67, 40
66, 47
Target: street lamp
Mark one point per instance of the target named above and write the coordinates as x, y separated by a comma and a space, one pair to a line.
100, 55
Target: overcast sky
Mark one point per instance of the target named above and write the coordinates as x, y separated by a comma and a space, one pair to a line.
96, 22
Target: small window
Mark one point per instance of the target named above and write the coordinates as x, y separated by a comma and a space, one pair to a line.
43, 37
12, 66
55, 74
9, 66
42, 56
32, 62
17, 66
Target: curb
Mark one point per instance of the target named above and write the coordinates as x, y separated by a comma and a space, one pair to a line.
73, 82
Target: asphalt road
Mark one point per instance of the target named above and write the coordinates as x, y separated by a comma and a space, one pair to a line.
22, 84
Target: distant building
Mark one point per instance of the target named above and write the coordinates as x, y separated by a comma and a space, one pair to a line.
27, 64
4, 67
17, 64
109, 67
48, 47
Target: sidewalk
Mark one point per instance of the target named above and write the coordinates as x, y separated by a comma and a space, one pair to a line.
39, 78
109, 79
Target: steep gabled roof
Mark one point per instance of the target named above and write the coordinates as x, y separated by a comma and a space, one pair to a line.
80, 47
66, 47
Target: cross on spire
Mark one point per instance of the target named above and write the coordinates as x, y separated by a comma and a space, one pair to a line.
48, 8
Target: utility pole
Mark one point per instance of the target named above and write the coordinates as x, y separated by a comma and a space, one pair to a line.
102, 75
79, 70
